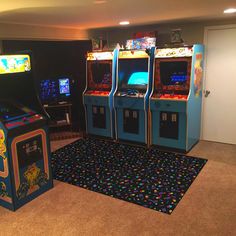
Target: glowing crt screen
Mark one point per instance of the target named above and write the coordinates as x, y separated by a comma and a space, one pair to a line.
101, 73
54, 90
133, 73
48, 90
14, 64
173, 72
64, 86
138, 78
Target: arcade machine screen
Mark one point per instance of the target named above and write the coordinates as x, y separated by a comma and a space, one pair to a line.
172, 77
54, 90
64, 86
133, 74
173, 73
100, 75
48, 90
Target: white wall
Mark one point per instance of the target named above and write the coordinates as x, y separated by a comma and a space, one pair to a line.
18, 31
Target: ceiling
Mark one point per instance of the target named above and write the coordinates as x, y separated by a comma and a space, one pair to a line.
90, 14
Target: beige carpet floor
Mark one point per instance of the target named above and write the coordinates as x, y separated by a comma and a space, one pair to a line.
208, 207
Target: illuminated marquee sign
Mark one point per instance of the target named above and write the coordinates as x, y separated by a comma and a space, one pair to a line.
93, 56
133, 54
14, 64
174, 52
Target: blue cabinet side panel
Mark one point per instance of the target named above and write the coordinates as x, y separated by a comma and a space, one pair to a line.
150, 82
41, 165
111, 97
42, 174
195, 98
114, 69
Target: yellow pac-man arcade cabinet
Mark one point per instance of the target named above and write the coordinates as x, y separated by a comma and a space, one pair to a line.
25, 170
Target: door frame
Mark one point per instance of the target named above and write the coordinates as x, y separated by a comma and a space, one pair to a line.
205, 40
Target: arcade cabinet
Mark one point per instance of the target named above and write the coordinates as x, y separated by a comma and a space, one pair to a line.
132, 94
55, 95
176, 98
98, 94
25, 170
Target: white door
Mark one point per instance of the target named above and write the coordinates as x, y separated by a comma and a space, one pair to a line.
219, 107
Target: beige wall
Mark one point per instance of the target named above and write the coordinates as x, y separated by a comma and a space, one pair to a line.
18, 31
192, 32
1, 47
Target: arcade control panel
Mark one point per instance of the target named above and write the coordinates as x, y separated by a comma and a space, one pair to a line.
97, 93
14, 115
130, 93
170, 96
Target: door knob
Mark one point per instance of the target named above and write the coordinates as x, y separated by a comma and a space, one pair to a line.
207, 92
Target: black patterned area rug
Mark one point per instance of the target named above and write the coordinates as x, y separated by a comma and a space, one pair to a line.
148, 177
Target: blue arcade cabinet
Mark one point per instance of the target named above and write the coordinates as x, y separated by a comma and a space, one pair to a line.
176, 98
98, 94
25, 170
134, 81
